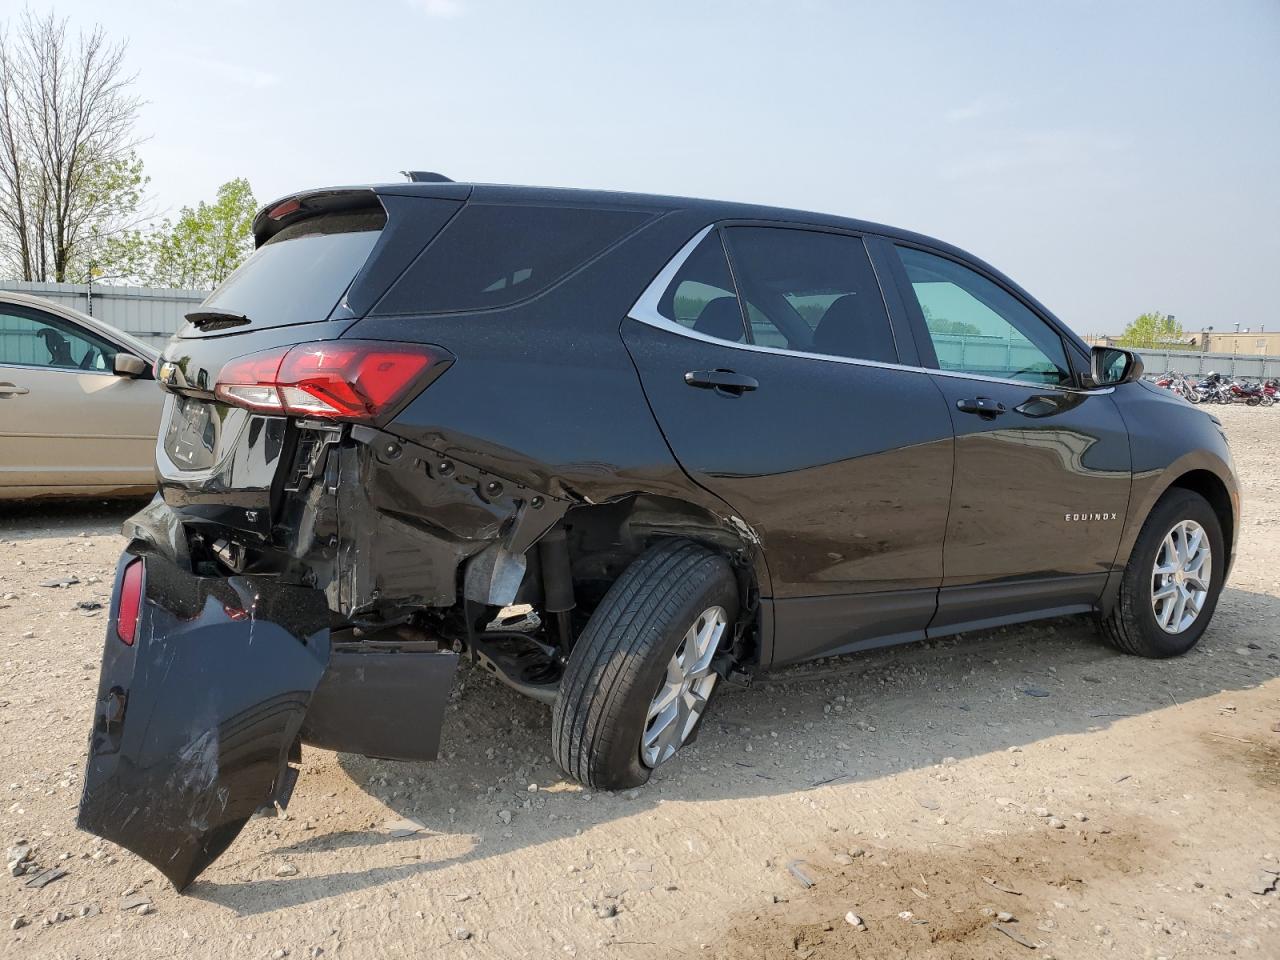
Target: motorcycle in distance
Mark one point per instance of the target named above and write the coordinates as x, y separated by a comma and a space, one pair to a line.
1246, 393
1205, 390
1270, 392
1214, 388
1180, 384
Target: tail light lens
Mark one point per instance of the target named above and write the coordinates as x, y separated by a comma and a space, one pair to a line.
336, 380
130, 606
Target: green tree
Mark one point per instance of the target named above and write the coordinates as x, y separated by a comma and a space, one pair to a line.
201, 248
70, 180
1154, 329
959, 328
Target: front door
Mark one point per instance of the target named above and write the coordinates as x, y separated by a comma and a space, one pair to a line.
66, 419
801, 419
1042, 467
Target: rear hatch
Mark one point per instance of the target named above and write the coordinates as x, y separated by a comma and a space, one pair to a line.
323, 259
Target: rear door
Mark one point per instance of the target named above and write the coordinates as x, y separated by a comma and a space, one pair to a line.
66, 419
803, 417
1042, 467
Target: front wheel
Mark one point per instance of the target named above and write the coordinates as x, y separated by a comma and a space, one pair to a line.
639, 679
1170, 586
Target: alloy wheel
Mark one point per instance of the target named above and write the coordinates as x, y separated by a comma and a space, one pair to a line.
684, 689
1180, 577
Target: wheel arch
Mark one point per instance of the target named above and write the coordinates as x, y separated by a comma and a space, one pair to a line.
605, 538
1210, 486
1200, 472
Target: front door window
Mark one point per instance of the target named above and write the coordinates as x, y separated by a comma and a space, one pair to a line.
33, 339
978, 327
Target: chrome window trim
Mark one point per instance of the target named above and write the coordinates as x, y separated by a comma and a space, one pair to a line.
5, 364
647, 305
645, 310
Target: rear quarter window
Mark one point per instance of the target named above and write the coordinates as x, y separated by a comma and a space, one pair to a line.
494, 255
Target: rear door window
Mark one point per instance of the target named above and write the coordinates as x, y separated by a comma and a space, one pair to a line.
299, 275
701, 296
811, 292
494, 255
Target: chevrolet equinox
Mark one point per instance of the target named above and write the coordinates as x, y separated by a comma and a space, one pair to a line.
614, 449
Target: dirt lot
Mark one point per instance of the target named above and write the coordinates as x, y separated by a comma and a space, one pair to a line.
1115, 807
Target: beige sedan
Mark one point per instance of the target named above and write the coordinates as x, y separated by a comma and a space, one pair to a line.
79, 408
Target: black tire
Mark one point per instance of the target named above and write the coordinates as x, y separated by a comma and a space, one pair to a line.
620, 659
1131, 625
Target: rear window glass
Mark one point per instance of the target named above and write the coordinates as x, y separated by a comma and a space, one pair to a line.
492, 255
299, 274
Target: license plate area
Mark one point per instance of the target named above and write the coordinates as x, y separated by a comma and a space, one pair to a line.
191, 438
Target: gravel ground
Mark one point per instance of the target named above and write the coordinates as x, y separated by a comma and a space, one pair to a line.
1111, 806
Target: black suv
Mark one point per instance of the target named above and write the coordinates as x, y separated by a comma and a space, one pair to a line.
614, 449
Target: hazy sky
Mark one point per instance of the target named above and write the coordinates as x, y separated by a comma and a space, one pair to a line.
1113, 157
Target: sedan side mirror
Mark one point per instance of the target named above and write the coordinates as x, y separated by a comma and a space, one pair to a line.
127, 365
1112, 366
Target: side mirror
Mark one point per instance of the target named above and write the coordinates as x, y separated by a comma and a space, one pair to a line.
1111, 366
127, 365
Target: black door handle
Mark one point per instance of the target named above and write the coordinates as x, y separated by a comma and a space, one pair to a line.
983, 406
723, 381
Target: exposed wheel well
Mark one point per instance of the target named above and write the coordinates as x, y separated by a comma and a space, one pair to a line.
605, 538
1209, 486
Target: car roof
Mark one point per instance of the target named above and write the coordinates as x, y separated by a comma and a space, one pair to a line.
517, 193
712, 210
93, 323
715, 209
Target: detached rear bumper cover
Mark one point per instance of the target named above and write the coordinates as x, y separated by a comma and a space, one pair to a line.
197, 722
194, 722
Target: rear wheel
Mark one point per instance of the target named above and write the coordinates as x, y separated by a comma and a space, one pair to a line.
639, 679
1170, 587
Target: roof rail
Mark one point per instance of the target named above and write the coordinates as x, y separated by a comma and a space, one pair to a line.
426, 176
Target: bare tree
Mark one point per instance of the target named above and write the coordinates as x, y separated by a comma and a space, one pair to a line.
69, 178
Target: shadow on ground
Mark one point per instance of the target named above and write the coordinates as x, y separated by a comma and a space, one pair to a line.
857, 718
66, 518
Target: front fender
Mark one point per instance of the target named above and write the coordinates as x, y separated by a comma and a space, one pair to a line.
1173, 444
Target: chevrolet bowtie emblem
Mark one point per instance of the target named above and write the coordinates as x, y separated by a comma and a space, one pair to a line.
169, 373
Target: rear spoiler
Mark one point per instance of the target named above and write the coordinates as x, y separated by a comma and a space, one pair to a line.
278, 214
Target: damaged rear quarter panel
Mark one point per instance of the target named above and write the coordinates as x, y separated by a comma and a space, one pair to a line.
386, 527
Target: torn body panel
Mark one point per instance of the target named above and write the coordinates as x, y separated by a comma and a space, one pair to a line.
196, 717
379, 524
204, 698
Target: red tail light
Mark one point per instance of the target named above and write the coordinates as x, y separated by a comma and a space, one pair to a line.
337, 380
130, 606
